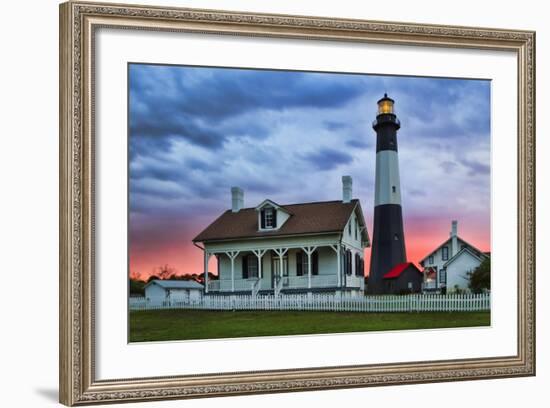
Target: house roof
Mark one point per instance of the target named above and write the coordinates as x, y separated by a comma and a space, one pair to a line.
176, 284
448, 241
305, 218
398, 269
463, 251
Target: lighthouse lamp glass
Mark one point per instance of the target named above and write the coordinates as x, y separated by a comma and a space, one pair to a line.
385, 106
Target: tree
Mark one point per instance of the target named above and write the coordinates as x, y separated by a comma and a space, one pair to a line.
480, 278
166, 272
136, 276
137, 287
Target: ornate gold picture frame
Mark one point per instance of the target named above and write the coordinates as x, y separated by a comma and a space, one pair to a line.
78, 24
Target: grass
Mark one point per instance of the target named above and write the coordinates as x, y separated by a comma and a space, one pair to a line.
163, 325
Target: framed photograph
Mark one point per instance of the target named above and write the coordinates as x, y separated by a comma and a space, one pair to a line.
256, 203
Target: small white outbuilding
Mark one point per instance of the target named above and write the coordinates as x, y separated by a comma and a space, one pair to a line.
158, 291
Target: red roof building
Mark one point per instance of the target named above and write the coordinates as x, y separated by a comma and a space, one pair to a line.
404, 277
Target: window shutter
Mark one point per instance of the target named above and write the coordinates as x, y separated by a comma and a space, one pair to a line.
245, 267
315, 263
299, 271
262, 218
274, 223
348, 263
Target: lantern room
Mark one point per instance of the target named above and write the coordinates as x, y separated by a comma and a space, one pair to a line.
385, 105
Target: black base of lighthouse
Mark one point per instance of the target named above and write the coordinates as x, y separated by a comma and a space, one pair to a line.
388, 245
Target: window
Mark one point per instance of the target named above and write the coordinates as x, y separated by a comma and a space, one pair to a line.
430, 260
348, 262
269, 217
393, 189
445, 253
302, 263
349, 228
442, 276
358, 265
252, 266
356, 228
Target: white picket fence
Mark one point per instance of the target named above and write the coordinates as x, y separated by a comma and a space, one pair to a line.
326, 302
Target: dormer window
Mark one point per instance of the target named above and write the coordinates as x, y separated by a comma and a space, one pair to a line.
268, 218
271, 216
268, 215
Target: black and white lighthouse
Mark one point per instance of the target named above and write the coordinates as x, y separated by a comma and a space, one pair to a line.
388, 242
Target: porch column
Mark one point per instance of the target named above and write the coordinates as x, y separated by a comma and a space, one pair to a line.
281, 253
336, 249
206, 258
232, 255
259, 254
309, 251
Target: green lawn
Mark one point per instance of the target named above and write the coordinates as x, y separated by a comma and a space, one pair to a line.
160, 325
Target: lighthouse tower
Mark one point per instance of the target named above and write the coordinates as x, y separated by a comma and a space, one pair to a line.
388, 242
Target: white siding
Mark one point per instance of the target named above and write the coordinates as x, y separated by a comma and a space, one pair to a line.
327, 261
282, 216
458, 269
348, 237
155, 293
352, 241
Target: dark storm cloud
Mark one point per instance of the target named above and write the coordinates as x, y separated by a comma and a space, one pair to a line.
327, 159
195, 132
200, 105
216, 93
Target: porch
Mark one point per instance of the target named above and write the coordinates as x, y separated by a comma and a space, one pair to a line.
289, 268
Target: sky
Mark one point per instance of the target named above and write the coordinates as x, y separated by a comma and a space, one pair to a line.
290, 136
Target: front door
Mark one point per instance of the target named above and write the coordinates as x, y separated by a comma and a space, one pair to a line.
276, 268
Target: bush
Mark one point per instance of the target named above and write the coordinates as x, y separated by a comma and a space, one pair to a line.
480, 278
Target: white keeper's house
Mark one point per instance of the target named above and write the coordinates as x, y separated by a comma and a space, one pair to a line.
287, 248
448, 265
